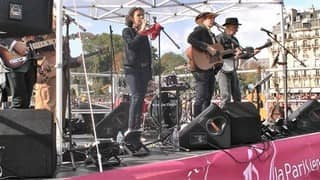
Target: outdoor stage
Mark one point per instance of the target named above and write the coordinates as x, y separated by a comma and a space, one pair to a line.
295, 157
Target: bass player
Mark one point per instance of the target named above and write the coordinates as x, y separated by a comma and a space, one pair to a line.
227, 77
201, 38
20, 79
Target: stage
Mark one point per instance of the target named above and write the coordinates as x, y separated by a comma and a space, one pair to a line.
295, 157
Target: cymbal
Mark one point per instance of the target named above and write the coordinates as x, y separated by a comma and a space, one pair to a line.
184, 66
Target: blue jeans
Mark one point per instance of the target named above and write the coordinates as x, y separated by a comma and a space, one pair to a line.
229, 85
205, 82
137, 80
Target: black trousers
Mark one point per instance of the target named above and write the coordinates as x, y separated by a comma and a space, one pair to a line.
205, 82
21, 87
137, 80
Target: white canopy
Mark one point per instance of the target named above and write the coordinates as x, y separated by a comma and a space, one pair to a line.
165, 10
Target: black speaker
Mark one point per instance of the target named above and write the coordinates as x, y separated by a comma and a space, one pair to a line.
28, 137
307, 116
209, 130
115, 121
245, 122
25, 17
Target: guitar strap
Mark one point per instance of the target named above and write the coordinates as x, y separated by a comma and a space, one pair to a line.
213, 37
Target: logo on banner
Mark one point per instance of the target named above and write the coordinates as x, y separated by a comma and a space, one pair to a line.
251, 172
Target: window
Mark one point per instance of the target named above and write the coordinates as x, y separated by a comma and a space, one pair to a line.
304, 43
294, 44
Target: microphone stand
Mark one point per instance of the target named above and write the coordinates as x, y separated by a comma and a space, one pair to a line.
67, 80
72, 20
159, 109
112, 65
286, 51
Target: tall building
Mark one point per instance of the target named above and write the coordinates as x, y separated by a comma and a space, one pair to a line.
302, 38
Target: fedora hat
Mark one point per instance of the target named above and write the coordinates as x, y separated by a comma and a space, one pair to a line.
204, 15
231, 21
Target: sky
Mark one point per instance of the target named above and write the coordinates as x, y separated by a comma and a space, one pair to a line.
249, 34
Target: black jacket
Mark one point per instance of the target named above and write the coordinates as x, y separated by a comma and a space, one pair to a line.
137, 49
200, 37
228, 42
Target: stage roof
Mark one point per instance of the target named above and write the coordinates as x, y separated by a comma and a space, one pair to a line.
165, 11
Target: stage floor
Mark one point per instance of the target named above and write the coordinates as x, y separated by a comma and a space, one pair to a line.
157, 154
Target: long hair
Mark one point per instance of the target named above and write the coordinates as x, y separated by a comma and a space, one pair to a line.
129, 17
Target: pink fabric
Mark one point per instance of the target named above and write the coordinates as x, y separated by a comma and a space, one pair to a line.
290, 158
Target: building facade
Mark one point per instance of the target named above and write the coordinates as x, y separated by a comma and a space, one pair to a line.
302, 39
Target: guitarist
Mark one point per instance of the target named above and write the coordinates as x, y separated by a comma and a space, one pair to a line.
227, 77
20, 79
45, 88
201, 38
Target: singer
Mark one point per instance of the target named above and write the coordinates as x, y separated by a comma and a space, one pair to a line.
201, 38
137, 69
227, 77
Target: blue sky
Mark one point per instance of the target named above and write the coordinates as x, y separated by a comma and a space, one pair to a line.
249, 33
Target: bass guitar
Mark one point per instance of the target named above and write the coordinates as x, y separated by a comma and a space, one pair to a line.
230, 64
12, 60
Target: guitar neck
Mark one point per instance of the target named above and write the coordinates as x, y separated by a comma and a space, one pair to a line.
41, 44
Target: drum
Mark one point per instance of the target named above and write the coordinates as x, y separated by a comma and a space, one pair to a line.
168, 104
171, 80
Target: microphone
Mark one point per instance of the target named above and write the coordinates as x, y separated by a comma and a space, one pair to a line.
220, 28
275, 59
267, 31
69, 19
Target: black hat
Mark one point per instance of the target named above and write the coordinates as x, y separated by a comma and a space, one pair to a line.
204, 15
231, 21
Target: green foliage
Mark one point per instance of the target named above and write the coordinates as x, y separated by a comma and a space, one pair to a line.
102, 63
168, 62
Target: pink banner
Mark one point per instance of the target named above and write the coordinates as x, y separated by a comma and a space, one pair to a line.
291, 158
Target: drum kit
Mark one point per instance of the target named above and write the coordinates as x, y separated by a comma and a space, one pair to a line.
172, 105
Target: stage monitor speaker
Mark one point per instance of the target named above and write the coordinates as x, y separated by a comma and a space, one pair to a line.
209, 130
115, 121
25, 17
245, 122
307, 117
28, 137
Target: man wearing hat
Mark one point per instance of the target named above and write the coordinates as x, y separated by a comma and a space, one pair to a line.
201, 38
227, 77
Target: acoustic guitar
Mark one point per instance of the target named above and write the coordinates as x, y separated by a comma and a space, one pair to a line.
203, 60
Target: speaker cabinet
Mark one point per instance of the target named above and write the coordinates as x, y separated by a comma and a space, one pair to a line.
245, 122
209, 130
28, 137
307, 116
25, 17
114, 122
